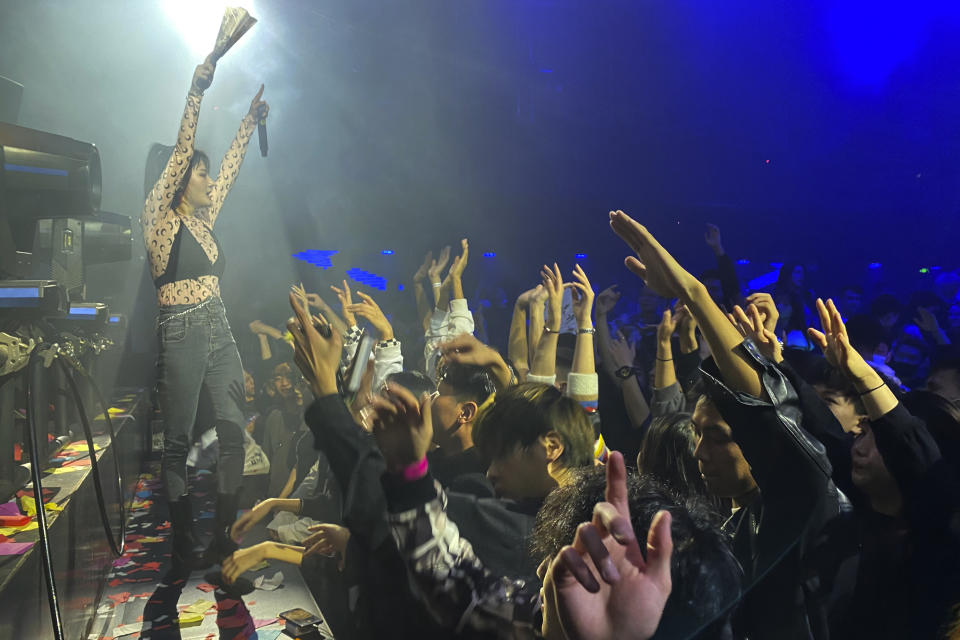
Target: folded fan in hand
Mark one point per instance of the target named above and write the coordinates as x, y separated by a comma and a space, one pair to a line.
236, 22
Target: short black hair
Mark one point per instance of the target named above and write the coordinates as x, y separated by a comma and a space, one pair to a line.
525, 412
706, 576
413, 381
157, 158
942, 418
470, 383
865, 331
885, 303
945, 358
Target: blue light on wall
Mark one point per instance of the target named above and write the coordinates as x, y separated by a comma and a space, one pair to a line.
580, 256
489, 254
761, 282
317, 257
387, 252
372, 280
743, 261
874, 265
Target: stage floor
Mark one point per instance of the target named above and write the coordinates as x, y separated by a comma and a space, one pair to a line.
140, 602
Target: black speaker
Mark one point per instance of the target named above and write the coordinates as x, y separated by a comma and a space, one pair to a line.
58, 254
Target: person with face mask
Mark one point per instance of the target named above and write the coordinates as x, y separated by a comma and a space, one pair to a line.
198, 353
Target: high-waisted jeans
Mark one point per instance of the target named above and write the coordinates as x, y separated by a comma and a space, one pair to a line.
199, 355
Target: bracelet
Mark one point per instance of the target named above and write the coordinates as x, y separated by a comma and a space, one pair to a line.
549, 330
665, 359
869, 391
436, 285
415, 471
589, 331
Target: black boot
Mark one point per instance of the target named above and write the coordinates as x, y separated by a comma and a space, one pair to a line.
222, 544
184, 555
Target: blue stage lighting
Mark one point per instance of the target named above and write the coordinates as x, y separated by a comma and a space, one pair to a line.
387, 252
489, 254
370, 279
317, 257
580, 256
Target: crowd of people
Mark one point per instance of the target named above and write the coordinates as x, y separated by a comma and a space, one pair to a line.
793, 463
789, 483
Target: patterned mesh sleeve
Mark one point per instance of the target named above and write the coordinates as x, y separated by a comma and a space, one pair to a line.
158, 219
453, 583
230, 166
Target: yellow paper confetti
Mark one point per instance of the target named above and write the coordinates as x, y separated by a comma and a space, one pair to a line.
190, 620
61, 470
30, 507
80, 446
197, 607
9, 531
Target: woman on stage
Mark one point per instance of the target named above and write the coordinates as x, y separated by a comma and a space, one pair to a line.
197, 350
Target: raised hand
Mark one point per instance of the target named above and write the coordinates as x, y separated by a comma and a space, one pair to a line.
346, 300
668, 325
582, 297
258, 108
460, 262
607, 300
326, 539
370, 310
686, 323
553, 285
628, 600
527, 297
927, 322
203, 75
316, 349
466, 349
261, 328
622, 352
835, 343
422, 271
768, 309
437, 266
750, 325
712, 238
402, 426
653, 264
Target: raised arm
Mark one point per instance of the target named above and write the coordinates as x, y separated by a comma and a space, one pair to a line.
423, 306
667, 278
545, 359
230, 165
517, 349
582, 383
158, 206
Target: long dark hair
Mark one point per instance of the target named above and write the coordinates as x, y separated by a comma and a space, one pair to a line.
667, 454
157, 159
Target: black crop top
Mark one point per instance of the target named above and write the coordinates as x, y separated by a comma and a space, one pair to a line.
188, 261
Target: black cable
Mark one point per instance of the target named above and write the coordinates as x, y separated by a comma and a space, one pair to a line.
117, 549
34, 377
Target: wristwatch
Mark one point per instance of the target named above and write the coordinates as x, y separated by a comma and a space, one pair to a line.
626, 371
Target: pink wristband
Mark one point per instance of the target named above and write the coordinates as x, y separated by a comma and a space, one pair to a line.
415, 471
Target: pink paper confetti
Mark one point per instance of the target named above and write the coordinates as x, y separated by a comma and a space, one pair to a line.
262, 623
14, 548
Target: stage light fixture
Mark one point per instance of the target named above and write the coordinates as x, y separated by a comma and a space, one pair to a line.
197, 21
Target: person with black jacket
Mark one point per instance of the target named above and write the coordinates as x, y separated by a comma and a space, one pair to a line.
907, 506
